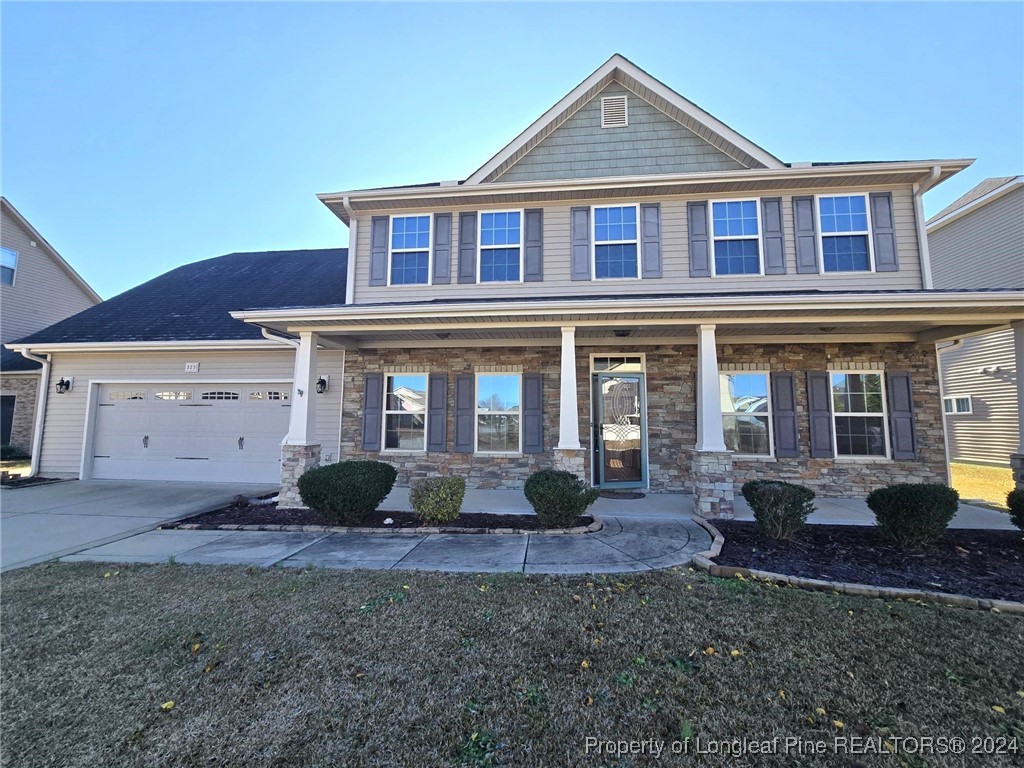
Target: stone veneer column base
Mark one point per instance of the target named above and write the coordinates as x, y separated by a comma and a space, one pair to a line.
1017, 468
570, 460
295, 460
712, 484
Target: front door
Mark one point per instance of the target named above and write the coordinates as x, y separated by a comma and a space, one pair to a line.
620, 430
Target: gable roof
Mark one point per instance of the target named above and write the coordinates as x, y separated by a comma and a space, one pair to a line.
34, 235
989, 190
193, 302
620, 69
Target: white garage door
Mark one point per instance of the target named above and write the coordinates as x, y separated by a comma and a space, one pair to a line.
214, 432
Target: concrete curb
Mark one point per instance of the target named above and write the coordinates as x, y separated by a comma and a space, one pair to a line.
595, 526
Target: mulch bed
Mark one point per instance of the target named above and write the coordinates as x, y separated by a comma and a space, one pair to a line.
983, 563
25, 482
271, 514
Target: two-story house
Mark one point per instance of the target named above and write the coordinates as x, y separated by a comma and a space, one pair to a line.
630, 290
37, 288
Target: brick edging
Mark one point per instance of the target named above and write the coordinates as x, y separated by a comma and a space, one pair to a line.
597, 525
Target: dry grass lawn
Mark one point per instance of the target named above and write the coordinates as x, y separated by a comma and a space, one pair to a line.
988, 484
320, 668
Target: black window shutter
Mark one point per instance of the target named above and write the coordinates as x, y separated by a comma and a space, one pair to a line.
467, 247
773, 243
884, 229
819, 407
533, 240
700, 248
784, 414
533, 413
901, 415
442, 249
437, 413
806, 234
373, 410
580, 233
465, 413
650, 240
379, 250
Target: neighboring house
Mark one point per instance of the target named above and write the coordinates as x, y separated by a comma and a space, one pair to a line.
630, 290
978, 242
37, 288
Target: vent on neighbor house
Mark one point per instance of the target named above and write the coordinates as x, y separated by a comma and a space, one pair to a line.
613, 112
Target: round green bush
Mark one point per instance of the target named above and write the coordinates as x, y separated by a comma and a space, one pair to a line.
558, 497
438, 499
346, 492
913, 514
1015, 503
780, 509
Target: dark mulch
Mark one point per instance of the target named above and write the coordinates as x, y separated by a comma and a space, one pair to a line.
26, 482
988, 564
271, 514
622, 495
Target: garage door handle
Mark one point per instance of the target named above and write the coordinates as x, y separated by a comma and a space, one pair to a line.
145, 442
241, 443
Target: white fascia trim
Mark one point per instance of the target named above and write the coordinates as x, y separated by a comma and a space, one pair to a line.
142, 346
989, 197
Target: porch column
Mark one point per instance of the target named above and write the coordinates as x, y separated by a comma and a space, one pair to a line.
300, 451
1017, 459
711, 464
569, 452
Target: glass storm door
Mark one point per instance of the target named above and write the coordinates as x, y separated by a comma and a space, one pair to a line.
620, 430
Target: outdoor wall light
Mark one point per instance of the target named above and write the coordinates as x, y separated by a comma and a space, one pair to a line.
65, 385
322, 384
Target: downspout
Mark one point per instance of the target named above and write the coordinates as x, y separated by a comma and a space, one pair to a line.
350, 271
920, 187
41, 395
939, 349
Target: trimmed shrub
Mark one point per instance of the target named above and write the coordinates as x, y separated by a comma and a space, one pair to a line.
346, 492
12, 453
912, 514
1015, 503
438, 499
780, 509
558, 497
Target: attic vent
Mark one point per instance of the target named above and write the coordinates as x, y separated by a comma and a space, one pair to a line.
613, 112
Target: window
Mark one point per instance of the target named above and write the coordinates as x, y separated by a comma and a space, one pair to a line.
618, 364
272, 394
958, 405
845, 241
8, 266
497, 413
615, 242
220, 395
858, 410
500, 247
132, 394
410, 250
405, 412
746, 413
177, 394
734, 224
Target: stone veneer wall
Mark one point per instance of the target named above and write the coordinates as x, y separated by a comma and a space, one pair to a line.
26, 390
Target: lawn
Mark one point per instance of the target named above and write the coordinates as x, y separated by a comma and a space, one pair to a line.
975, 482
296, 668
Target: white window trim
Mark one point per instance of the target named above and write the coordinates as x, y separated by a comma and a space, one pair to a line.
594, 244
14, 277
884, 416
625, 110
952, 400
385, 412
430, 248
770, 456
756, 238
480, 247
867, 233
476, 414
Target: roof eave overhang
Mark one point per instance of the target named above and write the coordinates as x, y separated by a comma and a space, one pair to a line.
989, 197
142, 346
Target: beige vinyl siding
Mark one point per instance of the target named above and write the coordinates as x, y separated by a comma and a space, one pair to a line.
675, 256
64, 428
984, 369
984, 248
43, 292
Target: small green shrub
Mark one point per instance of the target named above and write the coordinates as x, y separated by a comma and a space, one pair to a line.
1015, 503
346, 492
912, 514
780, 509
438, 499
12, 453
558, 497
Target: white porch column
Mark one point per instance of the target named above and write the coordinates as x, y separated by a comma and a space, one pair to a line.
710, 435
1017, 459
302, 418
568, 402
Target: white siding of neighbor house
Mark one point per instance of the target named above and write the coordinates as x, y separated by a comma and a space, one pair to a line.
64, 428
675, 279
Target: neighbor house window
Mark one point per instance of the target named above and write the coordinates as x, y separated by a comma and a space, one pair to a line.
734, 225
410, 250
8, 266
858, 410
405, 412
746, 413
615, 249
497, 412
845, 237
500, 246
958, 405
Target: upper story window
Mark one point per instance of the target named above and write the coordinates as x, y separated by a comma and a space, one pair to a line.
858, 409
8, 266
736, 228
405, 412
746, 413
615, 242
410, 250
501, 246
845, 235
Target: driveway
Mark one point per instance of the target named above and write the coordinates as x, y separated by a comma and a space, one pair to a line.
47, 521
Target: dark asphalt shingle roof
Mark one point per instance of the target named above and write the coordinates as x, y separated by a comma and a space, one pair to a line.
15, 362
193, 302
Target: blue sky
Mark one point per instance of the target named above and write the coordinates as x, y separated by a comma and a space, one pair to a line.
140, 136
